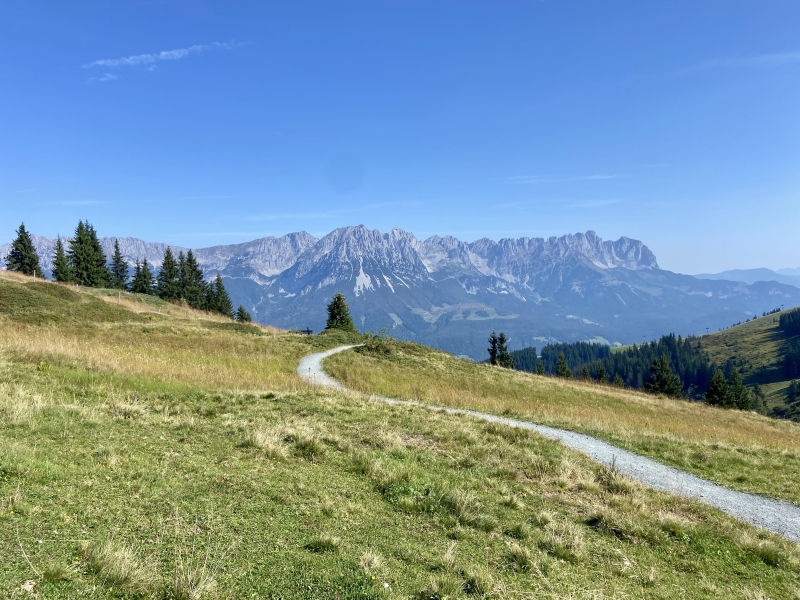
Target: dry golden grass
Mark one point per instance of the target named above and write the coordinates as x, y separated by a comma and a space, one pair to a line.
742, 450
439, 378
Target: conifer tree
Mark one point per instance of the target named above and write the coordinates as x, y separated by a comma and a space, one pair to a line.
191, 284
718, 392
741, 397
562, 368
662, 380
119, 269
585, 374
493, 349
540, 367
504, 358
618, 381
602, 376
23, 257
339, 314
61, 269
242, 316
143, 281
217, 299
167, 282
86, 257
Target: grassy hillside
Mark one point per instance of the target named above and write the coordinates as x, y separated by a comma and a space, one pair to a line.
147, 455
742, 450
755, 348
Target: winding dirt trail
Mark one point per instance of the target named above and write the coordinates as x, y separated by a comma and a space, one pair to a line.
777, 516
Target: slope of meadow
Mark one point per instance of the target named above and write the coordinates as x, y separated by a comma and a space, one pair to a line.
147, 455
756, 349
744, 451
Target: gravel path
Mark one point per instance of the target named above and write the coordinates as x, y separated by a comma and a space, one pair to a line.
780, 517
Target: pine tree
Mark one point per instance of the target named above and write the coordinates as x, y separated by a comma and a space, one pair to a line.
718, 392
242, 316
217, 299
585, 374
504, 359
167, 286
191, 283
540, 367
23, 257
86, 258
119, 269
339, 314
662, 380
142, 282
618, 381
492, 349
741, 397
602, 376
562, 368
61, 269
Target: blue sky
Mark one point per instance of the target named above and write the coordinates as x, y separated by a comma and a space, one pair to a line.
201, 123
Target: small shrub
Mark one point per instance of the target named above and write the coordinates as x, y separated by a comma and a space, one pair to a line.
323, 543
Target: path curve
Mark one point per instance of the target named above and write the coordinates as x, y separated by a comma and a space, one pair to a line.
777, 516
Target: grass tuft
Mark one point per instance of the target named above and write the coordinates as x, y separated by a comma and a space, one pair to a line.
323, 543
118, 565
563, 540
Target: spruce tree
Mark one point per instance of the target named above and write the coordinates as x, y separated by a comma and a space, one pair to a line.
242, 316
143, 281
540, 367
741, 397
217, 299
191, 284
167, 282
86, 258
119, 269
718, 392
23, 257
339, 314
585, 374
662, 380
602, 376
562, 368
618, 381
61, 268
504, 358
492, 349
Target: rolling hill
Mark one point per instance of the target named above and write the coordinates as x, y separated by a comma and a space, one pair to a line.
757, 349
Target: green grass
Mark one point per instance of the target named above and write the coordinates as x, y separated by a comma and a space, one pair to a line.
741, 450
123, 478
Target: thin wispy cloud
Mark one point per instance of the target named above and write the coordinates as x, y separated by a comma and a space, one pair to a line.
546, 179
593, 203
81, 202
105, 77
777, 59
149, 59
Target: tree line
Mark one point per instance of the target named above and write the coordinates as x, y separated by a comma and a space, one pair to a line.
83, 262
673, 366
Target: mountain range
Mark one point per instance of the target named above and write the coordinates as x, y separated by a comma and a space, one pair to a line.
451, 294
787, 276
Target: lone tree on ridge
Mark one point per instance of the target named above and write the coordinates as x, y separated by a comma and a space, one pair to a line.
339, 314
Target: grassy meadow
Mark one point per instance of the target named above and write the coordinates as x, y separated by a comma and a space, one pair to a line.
177, 456
741, 450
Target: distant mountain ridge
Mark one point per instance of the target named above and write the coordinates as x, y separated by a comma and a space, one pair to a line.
451, 294
787, 276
